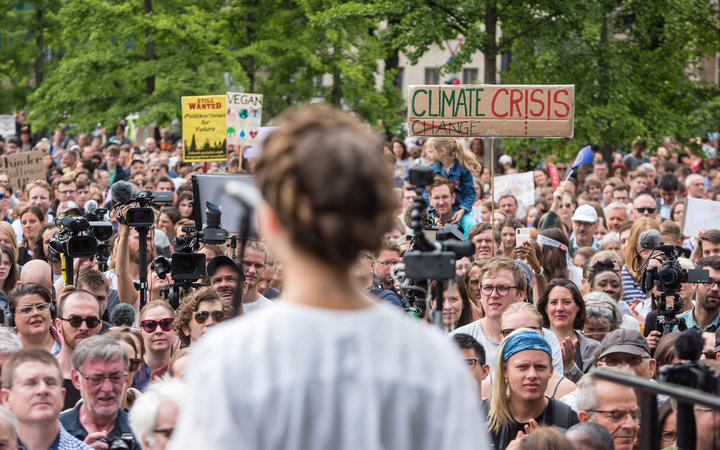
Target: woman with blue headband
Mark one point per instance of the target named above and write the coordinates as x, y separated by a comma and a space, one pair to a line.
518, 404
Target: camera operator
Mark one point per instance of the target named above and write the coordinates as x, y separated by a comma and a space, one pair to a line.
705, 314
127, 264
225, 277
99, 370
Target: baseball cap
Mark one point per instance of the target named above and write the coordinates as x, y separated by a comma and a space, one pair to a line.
222, 260
138, 160
623, 340
585, 213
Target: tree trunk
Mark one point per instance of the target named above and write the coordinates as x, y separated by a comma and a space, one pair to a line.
39, 43
490, 53
149, 51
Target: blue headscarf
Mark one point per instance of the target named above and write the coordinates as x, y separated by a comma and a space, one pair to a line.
525, 340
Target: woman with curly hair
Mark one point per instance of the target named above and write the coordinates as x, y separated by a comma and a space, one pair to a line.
200, 310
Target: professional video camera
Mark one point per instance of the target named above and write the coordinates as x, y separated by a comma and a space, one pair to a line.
668, 280
428, 259
141, 216
186, 265
692, 374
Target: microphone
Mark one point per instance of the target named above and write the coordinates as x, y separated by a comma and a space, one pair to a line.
90, 206
650, 239
121, 192
122, 315
245, 193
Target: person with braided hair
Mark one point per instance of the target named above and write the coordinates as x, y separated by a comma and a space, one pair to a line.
326, 367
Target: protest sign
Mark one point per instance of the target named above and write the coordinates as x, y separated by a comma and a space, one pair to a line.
23, 167
254, 151
244, 116
552, 170
491, 110
520, 185
699, 214
7, 125
204, 134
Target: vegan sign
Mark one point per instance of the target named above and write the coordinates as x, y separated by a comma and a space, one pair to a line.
492, 110
203, 126
244, 117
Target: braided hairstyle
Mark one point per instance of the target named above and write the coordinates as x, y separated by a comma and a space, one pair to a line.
606, 265
322, 173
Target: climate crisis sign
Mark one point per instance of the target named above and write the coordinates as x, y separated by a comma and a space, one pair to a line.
491, 110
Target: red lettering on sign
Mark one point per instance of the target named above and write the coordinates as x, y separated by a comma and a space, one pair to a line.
515, 101
492, 104
567, 107
539, 101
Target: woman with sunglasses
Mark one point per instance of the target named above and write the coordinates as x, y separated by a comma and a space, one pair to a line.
563, 311
133, 345
30, 308
200, 310
327, 366
156, 325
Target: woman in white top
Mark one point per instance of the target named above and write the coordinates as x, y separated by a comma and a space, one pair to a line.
326, 367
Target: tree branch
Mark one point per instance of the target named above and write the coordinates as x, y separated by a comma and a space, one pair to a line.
462, 25
506, 41
501, 10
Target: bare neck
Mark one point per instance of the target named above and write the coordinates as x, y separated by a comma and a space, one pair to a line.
38, 435
93, 422
251, 295
43, 341
65, 360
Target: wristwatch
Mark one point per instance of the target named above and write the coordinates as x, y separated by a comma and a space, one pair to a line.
542, 272
572, 372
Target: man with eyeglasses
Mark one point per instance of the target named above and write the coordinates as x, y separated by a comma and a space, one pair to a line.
585, 222
78, 318
32, 390
621, 194
611, 405
644, 205
705, 314
99, 371
502, 283
625, 347
387, 257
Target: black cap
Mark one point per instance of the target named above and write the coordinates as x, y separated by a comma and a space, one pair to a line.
222, 260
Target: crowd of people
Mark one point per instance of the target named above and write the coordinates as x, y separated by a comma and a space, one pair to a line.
323, 332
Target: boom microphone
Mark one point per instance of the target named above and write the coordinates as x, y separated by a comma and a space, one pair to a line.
122, 315
650, 239
121, 192
90, 206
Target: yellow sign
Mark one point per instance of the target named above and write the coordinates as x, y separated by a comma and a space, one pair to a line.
204, 133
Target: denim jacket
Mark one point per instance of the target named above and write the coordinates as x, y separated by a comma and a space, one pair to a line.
464, 187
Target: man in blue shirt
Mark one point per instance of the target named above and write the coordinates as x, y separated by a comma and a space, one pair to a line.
705, 315
100, 366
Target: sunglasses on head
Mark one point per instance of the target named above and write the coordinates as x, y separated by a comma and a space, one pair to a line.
76, 321
202, 316
150, 325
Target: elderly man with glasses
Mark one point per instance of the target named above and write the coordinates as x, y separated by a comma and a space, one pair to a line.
611, 405
99, 371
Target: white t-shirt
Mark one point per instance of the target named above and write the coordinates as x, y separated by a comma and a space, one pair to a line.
257, 304
296, 377
475, 330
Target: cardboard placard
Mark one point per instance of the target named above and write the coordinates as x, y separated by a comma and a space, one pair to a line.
520, 185
203, 126
699, 214
491, 110
7, 125
23, 167
243, 116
